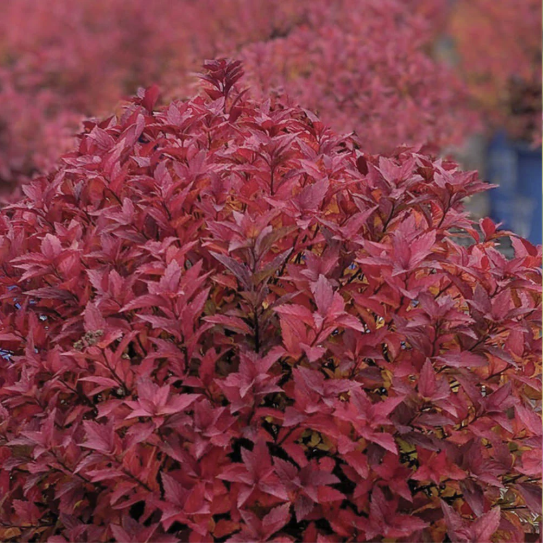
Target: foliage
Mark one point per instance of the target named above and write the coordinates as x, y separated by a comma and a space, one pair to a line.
499, 44
368, 66
221, 321
61, 61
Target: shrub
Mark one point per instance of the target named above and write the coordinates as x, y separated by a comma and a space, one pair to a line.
220, 320
499, 45
369, 67
61, 61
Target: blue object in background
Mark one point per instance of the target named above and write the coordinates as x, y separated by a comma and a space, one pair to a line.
502, 170
530, 192
517, 202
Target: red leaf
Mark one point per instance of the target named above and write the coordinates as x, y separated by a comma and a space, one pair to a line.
151, 96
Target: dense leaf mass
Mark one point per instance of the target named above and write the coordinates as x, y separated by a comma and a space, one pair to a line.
221, 321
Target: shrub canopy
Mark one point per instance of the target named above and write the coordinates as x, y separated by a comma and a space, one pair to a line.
220, 320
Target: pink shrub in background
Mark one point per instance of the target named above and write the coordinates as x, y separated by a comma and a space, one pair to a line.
499, 45
221, 321
367, 66
363, 64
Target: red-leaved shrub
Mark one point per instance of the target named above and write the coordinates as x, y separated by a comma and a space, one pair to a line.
221, 321
499, 45
61, 61
364, 64
367, 66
